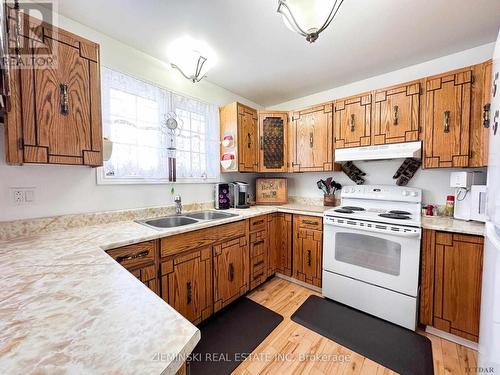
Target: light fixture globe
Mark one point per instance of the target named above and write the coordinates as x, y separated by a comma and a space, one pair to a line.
192, 58
308, 17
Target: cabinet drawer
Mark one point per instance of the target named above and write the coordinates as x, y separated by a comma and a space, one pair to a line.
136, 255
309, 222
258, 223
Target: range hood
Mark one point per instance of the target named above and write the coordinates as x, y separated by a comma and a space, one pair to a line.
391, 151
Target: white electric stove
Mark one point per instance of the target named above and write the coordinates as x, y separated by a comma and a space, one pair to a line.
371, 251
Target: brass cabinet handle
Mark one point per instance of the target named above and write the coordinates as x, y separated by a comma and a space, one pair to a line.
310, 222
311, 139
309, 261
189, 292
446, 121
64, 99
486, 115
231, 272
258, 222
395, 114
258, 242
494, 86
258, 263
249, 140
123, 258
262, 142
258, 276
352, 122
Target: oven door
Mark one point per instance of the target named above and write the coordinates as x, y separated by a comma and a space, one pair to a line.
374, 253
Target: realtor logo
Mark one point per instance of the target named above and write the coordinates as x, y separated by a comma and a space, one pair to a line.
30, 41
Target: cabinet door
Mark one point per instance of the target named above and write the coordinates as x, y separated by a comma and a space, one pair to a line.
307, 253
247, 139
259, 257
396, 114
311, 139
149, 276
280, 244
60, 103
273, 140
187, 284
447, 119
352, 121
231, 271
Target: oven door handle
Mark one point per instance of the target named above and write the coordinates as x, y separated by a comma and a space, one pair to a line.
411, 234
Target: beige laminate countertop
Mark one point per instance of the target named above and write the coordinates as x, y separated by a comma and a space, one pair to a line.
66, 306
447, 224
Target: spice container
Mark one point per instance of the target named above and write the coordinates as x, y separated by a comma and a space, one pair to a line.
450, 206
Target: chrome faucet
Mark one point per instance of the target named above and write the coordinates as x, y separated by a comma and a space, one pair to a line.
178, 205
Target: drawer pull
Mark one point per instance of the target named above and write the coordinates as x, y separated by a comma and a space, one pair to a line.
249, 144
258, 263
352, 123
258, 242
310, 222
231, 272
189, 292
309, 261
64, 99
395, 113
123, 258
447, 121
311, 139
258, 276
258, 222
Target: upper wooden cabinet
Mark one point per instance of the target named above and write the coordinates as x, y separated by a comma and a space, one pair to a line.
352, 121
396, 114
239, 133
311, 146
54, 111
273, 141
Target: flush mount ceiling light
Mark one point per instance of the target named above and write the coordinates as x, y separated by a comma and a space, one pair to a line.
192, 58
308, 17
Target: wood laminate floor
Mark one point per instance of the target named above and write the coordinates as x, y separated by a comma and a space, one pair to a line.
294, 349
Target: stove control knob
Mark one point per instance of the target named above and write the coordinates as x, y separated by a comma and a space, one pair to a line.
405, 193
414, 194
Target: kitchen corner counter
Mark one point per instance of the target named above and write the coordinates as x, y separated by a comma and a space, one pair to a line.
447, 224
66, 305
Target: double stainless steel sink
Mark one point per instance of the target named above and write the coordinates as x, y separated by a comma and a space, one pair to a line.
174, 221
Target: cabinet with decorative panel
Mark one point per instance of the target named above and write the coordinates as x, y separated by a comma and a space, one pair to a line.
259, 250
273, 141
239, 138
307, 249
396, 114
280, 244
353, 121
451, 273
141, 260
54, 111
311, 145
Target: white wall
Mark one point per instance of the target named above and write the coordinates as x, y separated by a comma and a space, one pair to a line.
65, 189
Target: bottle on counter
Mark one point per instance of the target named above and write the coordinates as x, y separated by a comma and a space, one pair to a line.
450, 206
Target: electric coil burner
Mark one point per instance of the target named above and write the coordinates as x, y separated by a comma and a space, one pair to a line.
371, 251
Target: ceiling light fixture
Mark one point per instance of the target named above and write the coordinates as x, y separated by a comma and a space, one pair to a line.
307, 17
192, 58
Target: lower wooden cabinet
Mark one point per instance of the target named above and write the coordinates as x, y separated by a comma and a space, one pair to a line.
141, 260
451, 282
186, 281
307, 249
280, 244
259, 251
231, 271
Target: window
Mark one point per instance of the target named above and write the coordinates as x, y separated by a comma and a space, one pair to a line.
133, 115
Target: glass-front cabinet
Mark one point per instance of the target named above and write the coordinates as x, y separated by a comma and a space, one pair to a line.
273, 133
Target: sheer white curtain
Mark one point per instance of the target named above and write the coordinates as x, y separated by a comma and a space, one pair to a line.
133, 111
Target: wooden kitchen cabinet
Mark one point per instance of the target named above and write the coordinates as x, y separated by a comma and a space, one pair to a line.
307, 249
352, 121
141, 260
239, 122
187, 283
259, 250
311, 145
451, 282
273, 141
280, 244
54, 111
396, 114
231, 271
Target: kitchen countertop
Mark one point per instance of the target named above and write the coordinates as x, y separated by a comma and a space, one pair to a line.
66, 305
447, 224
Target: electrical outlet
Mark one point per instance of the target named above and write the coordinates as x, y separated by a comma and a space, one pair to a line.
23, 195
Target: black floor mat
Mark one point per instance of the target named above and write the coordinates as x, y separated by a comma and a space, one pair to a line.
392, 346
231, 334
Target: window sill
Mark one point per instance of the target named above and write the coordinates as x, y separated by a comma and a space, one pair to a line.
101, 180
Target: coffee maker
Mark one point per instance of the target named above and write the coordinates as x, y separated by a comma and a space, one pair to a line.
222, 196
239, 194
